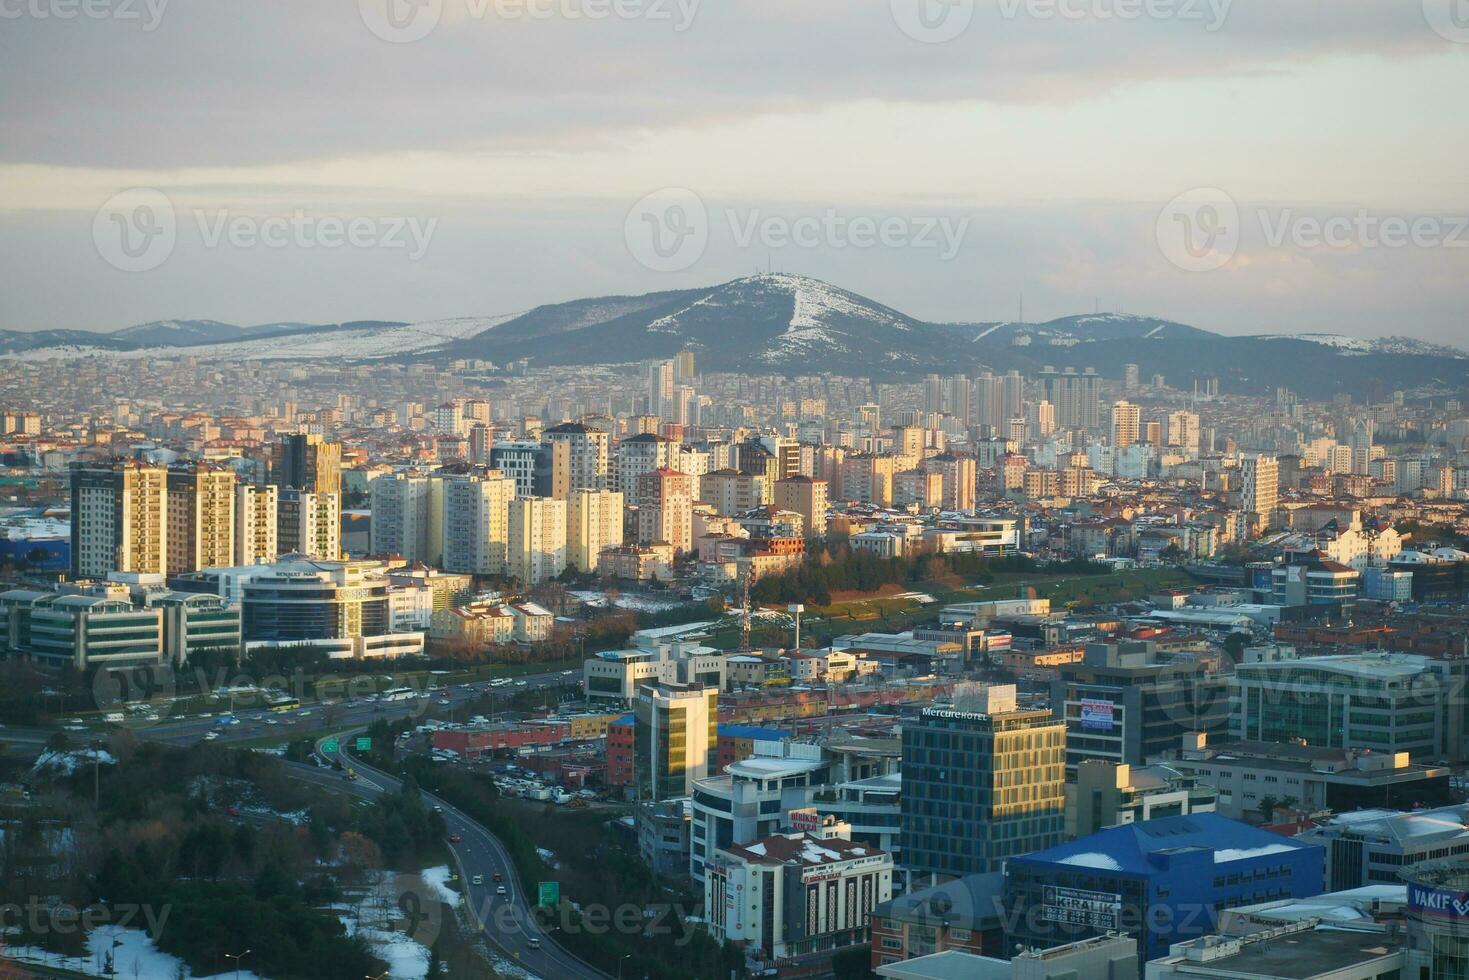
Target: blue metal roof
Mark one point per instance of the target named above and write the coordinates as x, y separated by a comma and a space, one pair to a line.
752, 732
1128, 849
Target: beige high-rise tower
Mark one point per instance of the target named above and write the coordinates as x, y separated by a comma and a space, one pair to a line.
593, 522
201, 518
255, 524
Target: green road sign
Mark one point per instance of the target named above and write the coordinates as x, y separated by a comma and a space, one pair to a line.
364, 745
329, 746
548, 893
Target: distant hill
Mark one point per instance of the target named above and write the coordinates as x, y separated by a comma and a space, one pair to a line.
787, 324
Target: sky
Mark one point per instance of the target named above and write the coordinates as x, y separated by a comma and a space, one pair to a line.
1254, 166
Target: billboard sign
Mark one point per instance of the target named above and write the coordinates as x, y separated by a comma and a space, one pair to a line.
1073, 906
1441, 903
1098, 716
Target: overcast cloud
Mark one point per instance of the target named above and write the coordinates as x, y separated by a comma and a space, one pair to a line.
522, 132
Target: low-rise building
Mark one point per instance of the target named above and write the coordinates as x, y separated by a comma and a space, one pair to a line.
1159, 881
1109, 794
793, 900
1368, 847
961, 914
1252, 777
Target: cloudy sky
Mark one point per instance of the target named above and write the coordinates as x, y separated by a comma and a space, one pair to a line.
1248, 167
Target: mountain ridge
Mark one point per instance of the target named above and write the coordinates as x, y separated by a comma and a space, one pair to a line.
787, 324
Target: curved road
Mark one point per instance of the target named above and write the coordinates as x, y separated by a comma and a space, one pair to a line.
506, 920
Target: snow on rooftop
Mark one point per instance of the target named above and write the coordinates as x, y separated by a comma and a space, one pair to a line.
1093, 859
1228, 854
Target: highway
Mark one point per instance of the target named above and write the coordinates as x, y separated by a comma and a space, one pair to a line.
506, 920
259, 722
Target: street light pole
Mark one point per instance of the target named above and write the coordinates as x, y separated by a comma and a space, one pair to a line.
237, 957
625, 958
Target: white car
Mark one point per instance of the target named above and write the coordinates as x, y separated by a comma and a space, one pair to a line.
500, 890
478, 880
211, 736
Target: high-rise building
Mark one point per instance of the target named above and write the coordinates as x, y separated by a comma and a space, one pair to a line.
1121, 704
309, 524
519, 461
675, 738
1183, 430
536, 549
660, 389
475, 526
1130, 377
683, 366
201, 518
307, 462
119, 519
593, 522
957, 398
402, 509
256, 517
983, 781
666, 513
640, 454
806, 497
1126, 424
959, 475
1076, 397
1260, 488
588, 453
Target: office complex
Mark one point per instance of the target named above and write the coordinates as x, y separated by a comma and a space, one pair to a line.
982, 782
675, 732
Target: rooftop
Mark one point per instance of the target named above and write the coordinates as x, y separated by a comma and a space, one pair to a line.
1128, 849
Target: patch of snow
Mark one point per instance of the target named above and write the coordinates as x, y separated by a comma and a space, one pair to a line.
548, 858
437, 879
51, 763
133, 954
1241, 853
1093, 859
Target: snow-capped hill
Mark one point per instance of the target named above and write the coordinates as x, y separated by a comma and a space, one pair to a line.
781, 321
1382, 345
1071, 331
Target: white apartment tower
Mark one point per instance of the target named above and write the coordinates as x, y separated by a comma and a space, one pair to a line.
537, 546
475, 522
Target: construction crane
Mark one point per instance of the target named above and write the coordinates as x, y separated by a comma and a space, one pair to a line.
745, 612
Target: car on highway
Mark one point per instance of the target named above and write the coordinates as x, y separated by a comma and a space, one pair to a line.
455, 838
500, 890
520, 683
533, 943
477, 880
498, 876
211, 736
